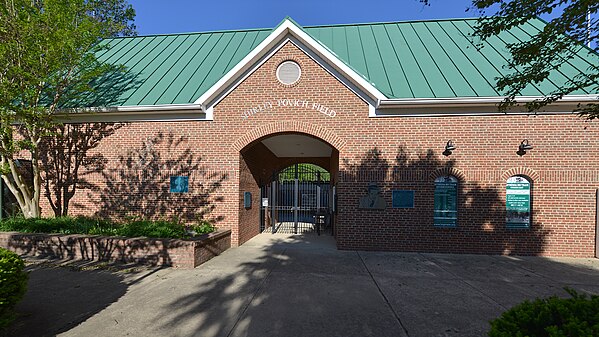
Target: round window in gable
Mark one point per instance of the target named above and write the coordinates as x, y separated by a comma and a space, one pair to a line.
289, 72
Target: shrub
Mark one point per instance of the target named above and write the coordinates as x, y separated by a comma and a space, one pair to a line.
203, 227
153, 229
132, 227
553, 316
13, 283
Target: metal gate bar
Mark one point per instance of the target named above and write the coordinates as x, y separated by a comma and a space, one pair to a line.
297, 197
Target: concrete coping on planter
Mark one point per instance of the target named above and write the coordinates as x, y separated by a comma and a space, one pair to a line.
183, 253
209, 236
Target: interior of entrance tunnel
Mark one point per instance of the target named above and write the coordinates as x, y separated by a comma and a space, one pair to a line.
278, 195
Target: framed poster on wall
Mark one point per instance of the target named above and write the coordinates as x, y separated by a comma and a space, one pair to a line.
517, 202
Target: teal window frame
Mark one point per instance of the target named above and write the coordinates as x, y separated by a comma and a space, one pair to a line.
445, 212
518, 203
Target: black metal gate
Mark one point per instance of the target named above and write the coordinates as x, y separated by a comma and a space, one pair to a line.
298, 200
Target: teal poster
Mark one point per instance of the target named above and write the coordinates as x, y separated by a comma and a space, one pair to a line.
446, 202
517, 202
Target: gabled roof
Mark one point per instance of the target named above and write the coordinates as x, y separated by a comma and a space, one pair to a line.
398, 60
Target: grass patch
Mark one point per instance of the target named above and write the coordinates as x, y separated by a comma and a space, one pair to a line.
85, 225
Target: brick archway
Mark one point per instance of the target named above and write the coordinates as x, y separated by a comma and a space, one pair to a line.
448, 171
258, 165
289, 127
525, 171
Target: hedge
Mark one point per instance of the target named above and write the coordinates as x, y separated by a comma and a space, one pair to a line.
573, 317
84, 225
13, 284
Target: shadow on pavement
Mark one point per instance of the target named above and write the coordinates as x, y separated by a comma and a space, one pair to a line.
276, 285
61, 296
292, 286
295, 287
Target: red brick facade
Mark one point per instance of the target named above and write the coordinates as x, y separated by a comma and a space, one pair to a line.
223, 159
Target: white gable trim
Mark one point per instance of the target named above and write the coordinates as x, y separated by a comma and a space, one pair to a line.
287, 27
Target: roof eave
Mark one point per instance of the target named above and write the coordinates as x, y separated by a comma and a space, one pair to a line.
478, 101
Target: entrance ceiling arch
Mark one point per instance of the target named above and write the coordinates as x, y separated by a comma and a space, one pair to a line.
282, 127
297, 145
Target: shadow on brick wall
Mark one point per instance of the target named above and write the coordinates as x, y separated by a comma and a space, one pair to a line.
67, 162
481, 224
78, 247
65, 158
139, 185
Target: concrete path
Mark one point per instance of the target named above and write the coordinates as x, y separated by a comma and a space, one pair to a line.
285, 285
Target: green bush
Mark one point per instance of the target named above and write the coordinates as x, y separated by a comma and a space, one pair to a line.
203, 227
153, 229
13, 283
553, 316
133, 227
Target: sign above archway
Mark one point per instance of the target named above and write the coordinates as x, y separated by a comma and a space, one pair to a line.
285, 103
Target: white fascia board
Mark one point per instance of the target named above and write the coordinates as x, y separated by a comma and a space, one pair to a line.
477, 101
485, 106
144, 108
287, 27
150, 113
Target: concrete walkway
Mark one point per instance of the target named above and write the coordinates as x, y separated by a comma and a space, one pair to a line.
285, 285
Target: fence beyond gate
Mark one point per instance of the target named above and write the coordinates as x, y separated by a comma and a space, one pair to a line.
299, 199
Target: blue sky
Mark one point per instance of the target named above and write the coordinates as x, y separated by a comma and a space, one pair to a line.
177, 16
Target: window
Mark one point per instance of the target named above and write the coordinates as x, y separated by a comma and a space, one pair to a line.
289, 72
517, 203
446, 201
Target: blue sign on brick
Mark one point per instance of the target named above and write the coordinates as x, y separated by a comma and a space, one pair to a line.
179, 184
403, 199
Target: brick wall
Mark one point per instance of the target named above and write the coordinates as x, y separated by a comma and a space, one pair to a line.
395, 153
155, 252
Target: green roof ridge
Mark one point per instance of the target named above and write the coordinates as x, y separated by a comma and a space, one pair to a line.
292, 20
389, 22
194, 33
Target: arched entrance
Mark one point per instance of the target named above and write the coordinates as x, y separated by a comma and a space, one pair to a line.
299, 199
293, 176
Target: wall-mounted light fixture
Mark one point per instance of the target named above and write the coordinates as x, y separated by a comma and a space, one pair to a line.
523, 147
449, 147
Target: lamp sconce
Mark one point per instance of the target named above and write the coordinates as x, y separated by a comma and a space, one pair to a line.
523, 147
449, 147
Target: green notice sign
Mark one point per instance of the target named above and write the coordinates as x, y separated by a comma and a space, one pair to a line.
446, 202
517, 202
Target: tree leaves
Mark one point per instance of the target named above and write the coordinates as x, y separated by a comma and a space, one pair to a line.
545, 52
48, 48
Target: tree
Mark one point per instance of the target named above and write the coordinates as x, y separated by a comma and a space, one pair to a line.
533, 60
63, 157
48, 51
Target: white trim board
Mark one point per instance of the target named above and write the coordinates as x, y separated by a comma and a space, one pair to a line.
475, 106
133, 114
479, 101
471, 109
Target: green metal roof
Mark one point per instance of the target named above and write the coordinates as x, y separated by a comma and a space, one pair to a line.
419, 59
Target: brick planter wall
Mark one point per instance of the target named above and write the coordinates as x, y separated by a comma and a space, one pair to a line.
187, 253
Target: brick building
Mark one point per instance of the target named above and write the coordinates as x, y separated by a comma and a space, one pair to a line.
403, 116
